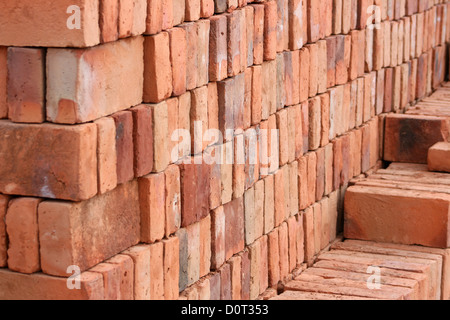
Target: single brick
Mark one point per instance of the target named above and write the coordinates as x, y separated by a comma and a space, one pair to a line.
218, 61
362, 204
439, 157
160, 123
172, 200
141, 261
106, 154
3, 82
157, 68
3, 236
157, 271
26, 85
18, 286
234, 227
63, 158
22, 229
152, 207
67, 228
111, 279
118, 66
125, 267
124, 146
142, 140
178, 59
408, 137
67, 24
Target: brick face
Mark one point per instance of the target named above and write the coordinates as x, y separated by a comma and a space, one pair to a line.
200, 149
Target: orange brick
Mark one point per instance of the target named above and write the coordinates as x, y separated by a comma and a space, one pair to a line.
141, 261
171, 268
66, 156
178, 59
38, 286
297, 24
22, 229
70, 103
51, 25
172, 200
26, 85
157, 271
106, 155
72, 221
395, 228
270, 26
304, 73
3, 82
158, 69
193, 9
111, 279
153, 206
3, 236
273, 258
218, 62
143, 140
124, 146
258, 33
125, 267
236, 277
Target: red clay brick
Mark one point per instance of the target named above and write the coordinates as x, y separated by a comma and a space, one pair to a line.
157, 68
125, 265
362, 204
26, 85
142, 140
22, 229
234, 227
3, 236
109, 17
438, 157
118, 66
171, 268
79, 220
111, 279
270, 26
106, 154
152, 207
49, 25
65, 156
18, 286
218, 62
124, 146
194, 192
3, 82
141, 261
178, 59
425, 131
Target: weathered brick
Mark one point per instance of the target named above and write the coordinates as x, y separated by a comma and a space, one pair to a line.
22, 229
26, 85
18, 286
64, 162
63, 224
124, 146
118, 66
69, 24
424, 131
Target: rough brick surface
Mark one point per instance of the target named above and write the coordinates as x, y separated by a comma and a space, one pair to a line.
59, 161
117, 66
66, 229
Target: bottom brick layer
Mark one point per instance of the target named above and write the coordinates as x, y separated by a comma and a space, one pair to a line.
361, 270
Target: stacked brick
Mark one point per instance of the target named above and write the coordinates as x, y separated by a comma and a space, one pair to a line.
99, 172
347, 272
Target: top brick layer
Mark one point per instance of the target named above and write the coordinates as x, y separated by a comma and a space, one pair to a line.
49, 23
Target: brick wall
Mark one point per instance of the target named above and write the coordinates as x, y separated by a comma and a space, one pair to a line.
193, 149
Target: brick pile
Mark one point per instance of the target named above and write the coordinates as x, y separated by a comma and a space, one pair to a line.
94, 179
346, 272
